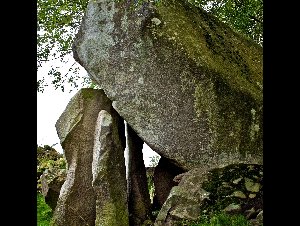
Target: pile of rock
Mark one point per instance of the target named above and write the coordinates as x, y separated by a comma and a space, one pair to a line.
234, 189
51, 174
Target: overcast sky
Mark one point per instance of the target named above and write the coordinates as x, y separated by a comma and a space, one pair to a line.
50, 105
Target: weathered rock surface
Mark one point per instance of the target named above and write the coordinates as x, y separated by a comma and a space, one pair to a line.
109, 174
139, 205
51, 183
164, 173
184, 200
233, 208
76, 130
194, 95
206, 192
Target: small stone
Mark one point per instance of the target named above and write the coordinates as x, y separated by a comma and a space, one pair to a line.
250, 214
147, 223
239, 194
156, 21
258, 221
237, 180
251, 186
259, 216
226, 185
253, 222
178, 178
233, 208
251, 196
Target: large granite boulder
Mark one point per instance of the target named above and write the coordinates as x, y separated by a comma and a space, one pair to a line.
184, 81
109, 174
76, 204
234, 189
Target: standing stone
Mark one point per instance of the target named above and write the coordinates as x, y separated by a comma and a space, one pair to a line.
109, 176
76, 204
164, 173
138, 195
194, 95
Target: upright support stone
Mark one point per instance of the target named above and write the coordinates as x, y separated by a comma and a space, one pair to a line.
76, 128
109, 174
138, 194
164, 173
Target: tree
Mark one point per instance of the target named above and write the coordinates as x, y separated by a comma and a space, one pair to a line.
244, 16
59, 21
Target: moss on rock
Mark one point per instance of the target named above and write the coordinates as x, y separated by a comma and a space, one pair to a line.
208, 77
204, 194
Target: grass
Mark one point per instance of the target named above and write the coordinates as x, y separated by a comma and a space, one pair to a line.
44, 212
220, 219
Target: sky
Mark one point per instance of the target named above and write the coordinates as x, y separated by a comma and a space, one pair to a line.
51, 104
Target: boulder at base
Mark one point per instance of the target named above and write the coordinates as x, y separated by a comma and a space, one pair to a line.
52, 181
234, 189
184, 81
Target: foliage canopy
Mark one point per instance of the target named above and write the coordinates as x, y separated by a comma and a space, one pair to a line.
59, 20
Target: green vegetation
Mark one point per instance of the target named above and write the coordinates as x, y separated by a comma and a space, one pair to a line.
245, 16
59, 21
219, 219
49, 160
153, 163
44, 212
52, 161
154, 160
151, 188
